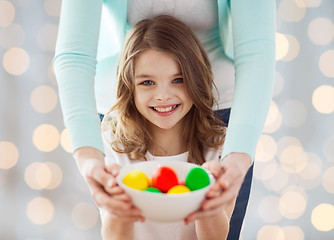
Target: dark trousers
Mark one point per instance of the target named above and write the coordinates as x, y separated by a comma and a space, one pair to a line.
243, 196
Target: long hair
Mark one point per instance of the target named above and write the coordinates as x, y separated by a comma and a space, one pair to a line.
129, 128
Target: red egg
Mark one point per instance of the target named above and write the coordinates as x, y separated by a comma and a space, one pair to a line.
164, 178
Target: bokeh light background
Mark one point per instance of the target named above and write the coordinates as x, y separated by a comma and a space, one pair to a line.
43, 196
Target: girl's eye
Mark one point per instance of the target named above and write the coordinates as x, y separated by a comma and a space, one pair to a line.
178, 80
147, 83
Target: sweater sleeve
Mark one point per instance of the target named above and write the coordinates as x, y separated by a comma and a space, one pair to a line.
75, 68
253, 27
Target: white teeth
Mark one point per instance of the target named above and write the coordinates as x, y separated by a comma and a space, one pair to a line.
164, 109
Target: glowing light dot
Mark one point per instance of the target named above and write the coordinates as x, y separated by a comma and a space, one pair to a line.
37, 175
46, 138
278, 181
65, 141
272, 232
289, 11
40, 211
323, 217
278, 84
52, 7
328, 180
293, 159
84, 215
43, 99
321, 31
308, 3
16, 61
294, 113
268, 209
323, 99
56, 176
293, 50
285, 142
7, 13
292, 204
266, 148
9, 155
293, 233
47, 37
310, 176
265, 170
326, 63
282, 46
274, 119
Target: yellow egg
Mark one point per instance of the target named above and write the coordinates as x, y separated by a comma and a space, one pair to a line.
178, 189
136, 179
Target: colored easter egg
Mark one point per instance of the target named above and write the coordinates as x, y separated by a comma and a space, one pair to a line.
153, 190
164, 178
197, 178
150, 183
178, 189
136, 179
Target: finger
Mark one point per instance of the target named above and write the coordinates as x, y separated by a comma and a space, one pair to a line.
224, 199
101, 176
115, 190
113, 169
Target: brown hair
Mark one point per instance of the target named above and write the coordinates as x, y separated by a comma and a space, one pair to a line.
128, 126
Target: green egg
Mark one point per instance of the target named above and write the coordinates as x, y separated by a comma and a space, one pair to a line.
153, 190
197, 178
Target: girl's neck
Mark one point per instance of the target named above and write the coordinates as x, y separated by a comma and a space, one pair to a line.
168, 142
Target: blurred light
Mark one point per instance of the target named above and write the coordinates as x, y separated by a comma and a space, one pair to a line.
323, 217
16, 61
40, 211
43, 99
274, 119
12, 36
294, 113
56, 175
9, 155
65, 141
47, 37
321, 31
286, 142
293, 159
85, 215
272, 232
323, 99
265, 170
328, 148
52, 7
278, 181
328, 180
293, 203
310, 176
278, 84
282, 46
289, 11
293, 233
7, 13
268, 209
294, 48
37, 175
326, 63
266, 148
46, 138
308, 3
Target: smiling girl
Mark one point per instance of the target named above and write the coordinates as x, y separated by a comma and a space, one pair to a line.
164, 111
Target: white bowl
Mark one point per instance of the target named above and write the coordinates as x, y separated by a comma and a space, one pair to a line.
164, 207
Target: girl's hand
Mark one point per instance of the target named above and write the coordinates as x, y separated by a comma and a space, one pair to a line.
229, 177
101, 182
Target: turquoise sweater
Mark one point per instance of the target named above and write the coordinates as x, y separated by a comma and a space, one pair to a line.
247, 31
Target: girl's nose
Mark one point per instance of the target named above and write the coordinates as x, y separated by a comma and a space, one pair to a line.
163, 93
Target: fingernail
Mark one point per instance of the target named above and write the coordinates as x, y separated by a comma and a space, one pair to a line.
110, 183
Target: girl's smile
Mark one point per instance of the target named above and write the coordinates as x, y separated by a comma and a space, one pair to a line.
160, 94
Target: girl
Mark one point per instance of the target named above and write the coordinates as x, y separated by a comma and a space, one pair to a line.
164, 111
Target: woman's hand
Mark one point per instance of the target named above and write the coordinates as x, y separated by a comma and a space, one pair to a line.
101, 181
229, 177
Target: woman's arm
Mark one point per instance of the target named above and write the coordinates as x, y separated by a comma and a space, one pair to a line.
75, 67
253, 27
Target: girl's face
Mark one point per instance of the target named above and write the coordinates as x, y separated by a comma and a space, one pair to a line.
160, 94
